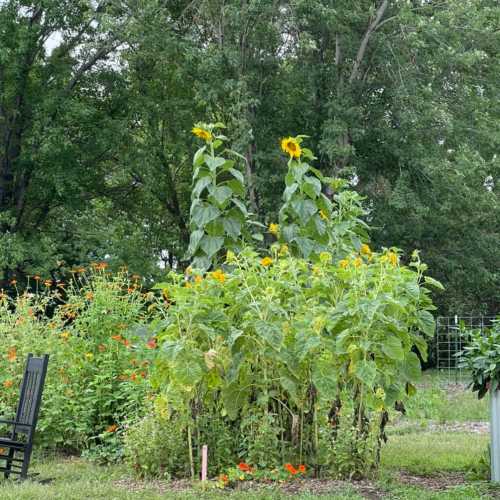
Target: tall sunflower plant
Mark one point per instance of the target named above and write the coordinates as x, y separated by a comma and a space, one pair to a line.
316, 333
219, 218
311, 221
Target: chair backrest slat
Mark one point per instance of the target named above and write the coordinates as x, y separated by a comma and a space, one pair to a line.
31, 394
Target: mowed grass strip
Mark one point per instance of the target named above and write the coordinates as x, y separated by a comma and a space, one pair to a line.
427, 453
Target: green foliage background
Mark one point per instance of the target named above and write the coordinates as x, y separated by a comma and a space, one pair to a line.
97, 99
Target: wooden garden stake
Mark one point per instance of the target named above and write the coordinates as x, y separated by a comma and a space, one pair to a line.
204, 462
495, 435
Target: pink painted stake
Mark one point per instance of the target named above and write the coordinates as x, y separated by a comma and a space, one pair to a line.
204, 462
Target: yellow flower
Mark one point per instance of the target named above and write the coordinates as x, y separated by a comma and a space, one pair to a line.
65, 335
198, 279
291, 146
89, 356
344, 263
323, 214
393, 258
202, 133
188, 285
189, 270
274, 228
366, 250
266, 261
357, 262
283, 250
230, 256
218, 275
380, 393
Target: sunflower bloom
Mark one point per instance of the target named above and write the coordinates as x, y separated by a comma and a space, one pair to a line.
291, 146
366, 250
202, 133
393, 258
274, 228
266, 261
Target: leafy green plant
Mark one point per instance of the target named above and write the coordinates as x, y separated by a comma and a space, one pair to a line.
155, 447
310, 222
218, 215
481, 357
281, 351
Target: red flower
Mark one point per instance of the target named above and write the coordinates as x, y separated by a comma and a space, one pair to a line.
151, 344
291, 469
244, 467
302, 468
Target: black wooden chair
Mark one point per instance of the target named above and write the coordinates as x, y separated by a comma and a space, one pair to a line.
20, 440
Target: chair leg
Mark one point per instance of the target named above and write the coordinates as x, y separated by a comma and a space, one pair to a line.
26, 462
8, 465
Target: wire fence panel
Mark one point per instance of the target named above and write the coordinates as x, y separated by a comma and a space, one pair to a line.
452, 335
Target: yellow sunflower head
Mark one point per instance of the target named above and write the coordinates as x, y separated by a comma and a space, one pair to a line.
291, 146
266, 261
202, 133
274, 228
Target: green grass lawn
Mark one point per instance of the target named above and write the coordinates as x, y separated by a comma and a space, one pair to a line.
418, 462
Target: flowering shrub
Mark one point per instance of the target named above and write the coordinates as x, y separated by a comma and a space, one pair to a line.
294, 355
95, 380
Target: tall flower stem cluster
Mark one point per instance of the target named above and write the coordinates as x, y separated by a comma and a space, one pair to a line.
295, 353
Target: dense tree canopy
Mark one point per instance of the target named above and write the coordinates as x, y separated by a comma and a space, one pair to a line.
97, 99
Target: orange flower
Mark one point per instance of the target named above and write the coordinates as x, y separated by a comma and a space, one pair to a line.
12, 354
302, 468
218, 275
151, 344
224, 478
118, 338
89, 295
244, 467
112, 428
291, 469
198, 279
133, 376
2, 451
8, 383
126, 343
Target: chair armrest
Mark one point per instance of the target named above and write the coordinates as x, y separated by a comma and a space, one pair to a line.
13, 422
